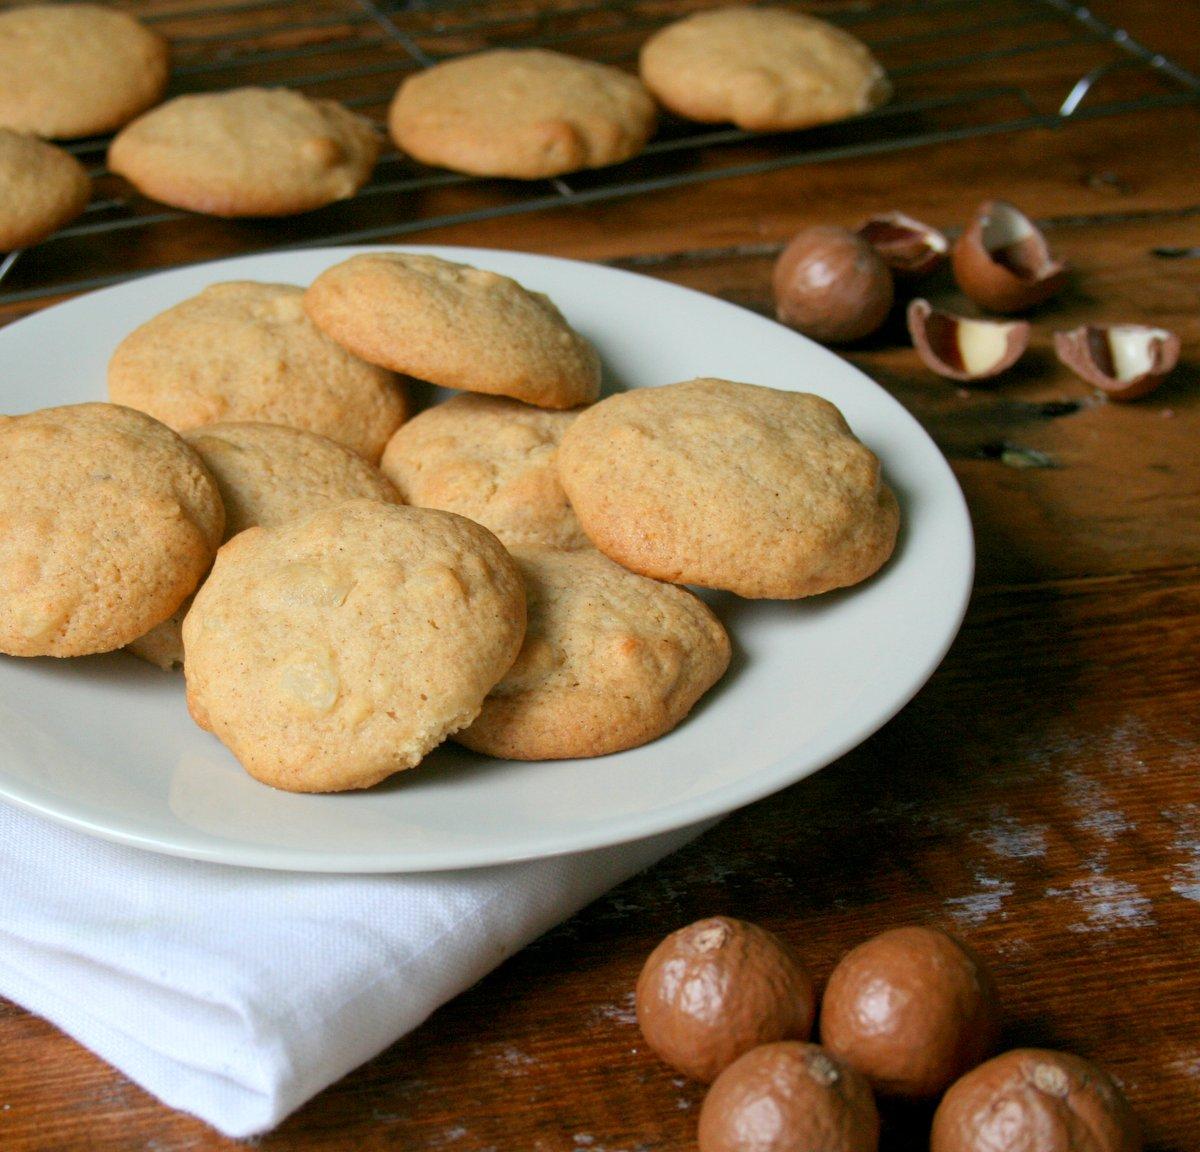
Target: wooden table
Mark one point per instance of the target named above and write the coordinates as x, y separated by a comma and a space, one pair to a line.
1039, 797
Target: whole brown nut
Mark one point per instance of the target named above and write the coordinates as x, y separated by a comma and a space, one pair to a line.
832, 285
789, 1097
1034, 1100
718, 988
912, 1009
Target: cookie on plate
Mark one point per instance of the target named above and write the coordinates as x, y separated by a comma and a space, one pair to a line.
758, 491
492, 460
247, 152
77, 69
41, 189
524, 113
107, 521
267, 474
336, 650
766, 69
611, 660
246, 351
455, 325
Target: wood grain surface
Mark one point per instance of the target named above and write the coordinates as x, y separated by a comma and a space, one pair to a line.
1039, 797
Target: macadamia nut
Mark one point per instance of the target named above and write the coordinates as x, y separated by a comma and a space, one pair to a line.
717, 988
1033, 1100
912, 1009
789, 1097
832, 285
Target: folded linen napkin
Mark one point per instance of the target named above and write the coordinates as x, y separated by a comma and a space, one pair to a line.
237, 994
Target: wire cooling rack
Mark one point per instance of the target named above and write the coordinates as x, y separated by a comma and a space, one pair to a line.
961, 69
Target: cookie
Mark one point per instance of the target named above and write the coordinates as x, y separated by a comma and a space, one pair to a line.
245, 351
524, 113
247, 152
333, 651
41, 189
77, 69
267, 474
270, 473
107, 521
455, 325
492, 460
766, 69
762, 492
611, 660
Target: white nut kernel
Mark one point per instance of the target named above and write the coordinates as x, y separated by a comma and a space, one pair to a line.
309, 681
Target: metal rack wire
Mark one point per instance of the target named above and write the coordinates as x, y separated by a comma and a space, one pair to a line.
961, 69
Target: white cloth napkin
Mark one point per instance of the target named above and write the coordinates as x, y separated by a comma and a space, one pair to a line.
237, 994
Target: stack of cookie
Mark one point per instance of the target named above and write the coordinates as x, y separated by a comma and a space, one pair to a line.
512, 577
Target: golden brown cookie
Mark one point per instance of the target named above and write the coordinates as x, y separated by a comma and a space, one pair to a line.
246, 351
107, 521
455, 325
611, 660
525, 113
267, 474
247, 152
41, 189
271, 473
766, 69
335, 650
490, 459
77, 69
762, 492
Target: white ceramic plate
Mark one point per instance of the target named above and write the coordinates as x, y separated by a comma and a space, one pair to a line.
105, 743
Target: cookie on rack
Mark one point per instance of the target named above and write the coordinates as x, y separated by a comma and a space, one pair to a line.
77, 69
522, 113
267, 474
762, 492
492, 460
41, 189
108, 520
247, 152
765, 69
243, 351
611, 660
336, 650
455, 325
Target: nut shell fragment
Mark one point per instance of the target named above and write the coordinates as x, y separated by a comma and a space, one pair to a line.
908, 247
717, 988
961, 348
1123, 360
1033, 1100
1003, 263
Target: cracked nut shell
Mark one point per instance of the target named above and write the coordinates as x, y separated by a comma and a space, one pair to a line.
909, 247
961, 348
1034, 1100
789, 1097
717, 988
912, 1009
1125, 361
832, 285
1002, 262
